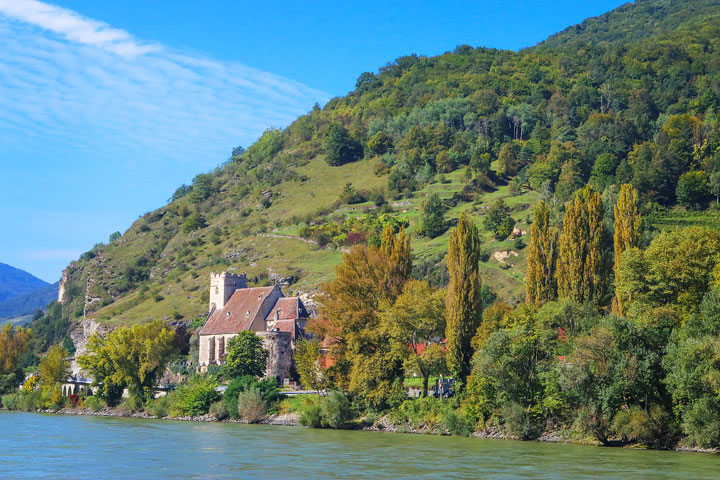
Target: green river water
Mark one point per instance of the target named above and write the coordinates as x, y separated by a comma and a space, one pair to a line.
56, 446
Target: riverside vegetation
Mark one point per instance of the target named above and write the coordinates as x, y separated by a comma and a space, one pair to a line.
603, 142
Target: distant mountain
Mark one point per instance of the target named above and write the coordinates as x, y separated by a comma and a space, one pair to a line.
28, 303
14, 281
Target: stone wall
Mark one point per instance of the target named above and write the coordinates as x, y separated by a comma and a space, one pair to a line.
279, 354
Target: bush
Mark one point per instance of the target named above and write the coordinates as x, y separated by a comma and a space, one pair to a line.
521, 421
647, 428
335, 410
94, 403
219, 410
311, 415
267, 387
10, 401
193, 397
251, 407
457, 423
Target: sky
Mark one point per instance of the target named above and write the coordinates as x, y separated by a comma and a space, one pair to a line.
106, 107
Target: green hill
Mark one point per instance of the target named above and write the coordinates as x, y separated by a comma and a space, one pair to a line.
629, 97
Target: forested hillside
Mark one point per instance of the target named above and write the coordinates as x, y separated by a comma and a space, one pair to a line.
629, 97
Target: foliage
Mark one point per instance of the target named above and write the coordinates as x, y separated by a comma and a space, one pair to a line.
13, 343
251, 406
499, 221
133, 357
307, 358
432, 217
219, 410
693, 189
193, 397
369, 277
340, 147
541, 283
54, 368
463, 306
330, 411
267, 387
583, 260
627, 225
245, 356
416, 323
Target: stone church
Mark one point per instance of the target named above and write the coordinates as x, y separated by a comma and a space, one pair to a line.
277, 319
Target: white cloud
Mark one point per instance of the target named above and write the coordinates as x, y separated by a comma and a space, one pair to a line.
73, 26
80, 84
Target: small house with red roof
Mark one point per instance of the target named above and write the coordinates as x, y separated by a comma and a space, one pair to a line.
277, 319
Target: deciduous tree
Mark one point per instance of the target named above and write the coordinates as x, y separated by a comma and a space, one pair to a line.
245, 356
627, 225
540, 284
463, 305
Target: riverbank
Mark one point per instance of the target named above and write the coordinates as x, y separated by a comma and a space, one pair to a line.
380, 425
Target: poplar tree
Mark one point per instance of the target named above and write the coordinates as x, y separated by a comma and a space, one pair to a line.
463, 306
540, 284
582, 264
627, 224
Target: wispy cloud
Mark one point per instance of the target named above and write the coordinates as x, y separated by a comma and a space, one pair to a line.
73, 26
92, 117
66, 78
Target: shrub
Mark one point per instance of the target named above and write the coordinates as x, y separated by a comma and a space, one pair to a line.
193, 397
521, 421
10, 401
653, 428
251, 407
219, 410
311, 416
267, 387
457, 423
95, 403
335, 410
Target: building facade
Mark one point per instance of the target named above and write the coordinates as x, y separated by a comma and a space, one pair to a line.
234, 307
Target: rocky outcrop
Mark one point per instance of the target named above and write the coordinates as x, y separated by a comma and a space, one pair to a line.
80, 336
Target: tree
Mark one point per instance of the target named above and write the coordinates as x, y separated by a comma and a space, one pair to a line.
540, 284
509, 163
369, 278
114, 236
340, 147
245, 356
432, 217
499, 221
627, 225
714, 184
13, 343
416, 323
307, 356
201, 187
54, 368
693, 189
582, 262
674, 271
133, 357
463, 306
379, 144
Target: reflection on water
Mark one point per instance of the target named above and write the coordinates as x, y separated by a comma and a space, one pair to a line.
54, 446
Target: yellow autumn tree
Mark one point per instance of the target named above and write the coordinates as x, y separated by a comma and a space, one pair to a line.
463, 306
627, 224
582, 267
540, 283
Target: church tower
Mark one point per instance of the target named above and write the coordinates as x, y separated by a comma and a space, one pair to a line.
222, 286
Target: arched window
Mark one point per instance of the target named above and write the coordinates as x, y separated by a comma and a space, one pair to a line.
221, 349
211, 349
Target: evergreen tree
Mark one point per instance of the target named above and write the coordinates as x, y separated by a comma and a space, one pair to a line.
627, 223
582, 264
499, 221
340, 147
463, 306
432, 217
540, 283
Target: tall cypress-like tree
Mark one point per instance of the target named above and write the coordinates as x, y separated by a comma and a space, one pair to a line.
628, 227
541, 285
463, 306
582, 264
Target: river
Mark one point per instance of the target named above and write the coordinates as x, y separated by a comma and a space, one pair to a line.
57, 446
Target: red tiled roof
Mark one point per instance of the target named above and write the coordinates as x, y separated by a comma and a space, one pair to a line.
239, 312
287, 308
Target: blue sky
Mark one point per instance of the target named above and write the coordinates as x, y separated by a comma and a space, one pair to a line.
106, 107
